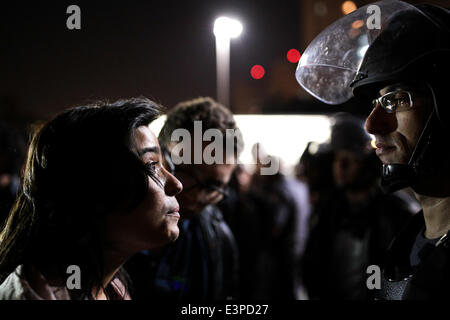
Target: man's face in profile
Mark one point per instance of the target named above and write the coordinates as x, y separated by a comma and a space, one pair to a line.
398, 129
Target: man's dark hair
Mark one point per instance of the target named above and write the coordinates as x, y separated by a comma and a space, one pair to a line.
212, 114
81, 167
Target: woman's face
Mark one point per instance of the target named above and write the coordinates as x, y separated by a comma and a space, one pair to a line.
154, 222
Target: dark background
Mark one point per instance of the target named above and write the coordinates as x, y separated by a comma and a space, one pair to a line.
164, 50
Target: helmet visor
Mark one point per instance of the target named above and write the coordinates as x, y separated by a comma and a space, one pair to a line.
331, 61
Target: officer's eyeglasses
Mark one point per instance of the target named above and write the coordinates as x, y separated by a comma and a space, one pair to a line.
395, 101
211, 192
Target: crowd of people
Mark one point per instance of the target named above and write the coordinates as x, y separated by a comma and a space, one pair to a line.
177, 216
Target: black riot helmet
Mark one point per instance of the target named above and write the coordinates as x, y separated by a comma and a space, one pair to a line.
412, 45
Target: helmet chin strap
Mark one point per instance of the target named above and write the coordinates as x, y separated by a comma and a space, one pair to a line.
397, 176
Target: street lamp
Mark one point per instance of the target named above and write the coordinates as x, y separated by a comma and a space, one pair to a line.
224, 29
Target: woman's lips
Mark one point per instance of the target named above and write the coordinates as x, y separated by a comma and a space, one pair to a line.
174, 212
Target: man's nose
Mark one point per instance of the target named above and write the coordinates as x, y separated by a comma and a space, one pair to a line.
380, 122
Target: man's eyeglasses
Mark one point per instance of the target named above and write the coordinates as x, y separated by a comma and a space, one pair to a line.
395, 101
212, 192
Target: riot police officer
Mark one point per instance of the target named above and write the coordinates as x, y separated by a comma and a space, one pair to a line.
401, 69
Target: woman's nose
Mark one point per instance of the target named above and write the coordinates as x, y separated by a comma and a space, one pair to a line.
172, 186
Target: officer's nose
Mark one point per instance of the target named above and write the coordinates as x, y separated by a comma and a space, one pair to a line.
380, 122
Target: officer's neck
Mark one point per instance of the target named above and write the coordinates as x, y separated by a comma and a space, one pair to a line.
436, 212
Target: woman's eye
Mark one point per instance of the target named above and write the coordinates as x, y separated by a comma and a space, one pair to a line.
154, 172
151, 166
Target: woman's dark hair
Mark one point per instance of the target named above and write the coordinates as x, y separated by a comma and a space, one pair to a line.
81, 166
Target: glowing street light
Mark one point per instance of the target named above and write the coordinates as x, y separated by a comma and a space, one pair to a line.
224, 29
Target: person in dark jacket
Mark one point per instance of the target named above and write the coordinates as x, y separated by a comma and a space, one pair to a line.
401, 69
203, 262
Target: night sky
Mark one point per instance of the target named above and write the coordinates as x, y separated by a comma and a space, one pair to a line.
164, 50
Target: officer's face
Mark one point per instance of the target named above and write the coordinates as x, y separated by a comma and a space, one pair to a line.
396, 134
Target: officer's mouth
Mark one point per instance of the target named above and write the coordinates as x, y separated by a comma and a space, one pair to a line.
383, 149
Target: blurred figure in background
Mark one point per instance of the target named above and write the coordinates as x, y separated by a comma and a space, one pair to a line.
356, 222
203, 262
12, 153
239, 211
276, 214
235, 207
315, 169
